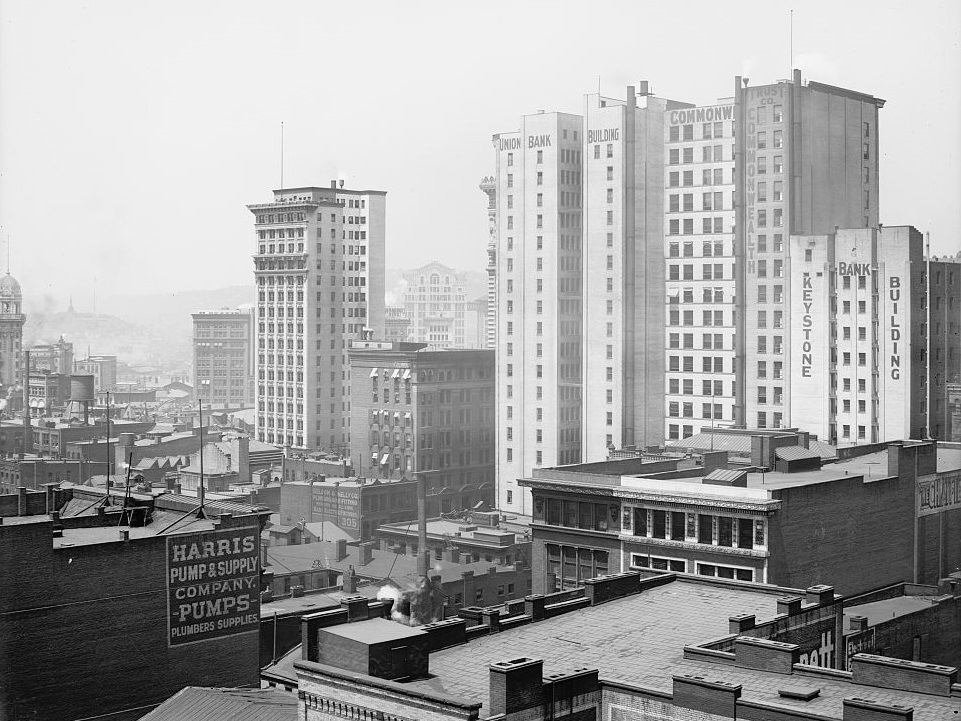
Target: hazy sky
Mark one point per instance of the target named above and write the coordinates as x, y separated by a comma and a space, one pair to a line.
133, 133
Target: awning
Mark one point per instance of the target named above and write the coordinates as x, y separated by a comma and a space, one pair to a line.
407, 416
407, 374
396, 373
396, 416
385, 458
373, 456
373, 372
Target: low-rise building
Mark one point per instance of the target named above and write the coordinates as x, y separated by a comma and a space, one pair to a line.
52, 357
108, 586
103, 368
786, 519
356, 506
476, 539
627, 647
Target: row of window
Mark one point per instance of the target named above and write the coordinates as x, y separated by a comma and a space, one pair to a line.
685, 386
686, 227
709, 154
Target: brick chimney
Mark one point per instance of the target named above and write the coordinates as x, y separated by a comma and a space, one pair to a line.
341, 548
516, 686
243, 458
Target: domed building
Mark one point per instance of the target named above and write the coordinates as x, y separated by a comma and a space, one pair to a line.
11, 332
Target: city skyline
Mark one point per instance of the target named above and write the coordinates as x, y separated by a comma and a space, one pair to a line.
133, 106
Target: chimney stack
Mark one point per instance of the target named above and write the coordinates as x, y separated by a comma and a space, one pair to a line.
423, 553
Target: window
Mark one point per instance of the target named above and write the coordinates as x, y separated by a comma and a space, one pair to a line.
778, 139
688, 178
778, 114
761, 140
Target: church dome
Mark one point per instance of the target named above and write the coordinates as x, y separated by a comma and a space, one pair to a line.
10, 288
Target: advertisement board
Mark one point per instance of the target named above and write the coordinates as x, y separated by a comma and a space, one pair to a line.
336, 504
213, 584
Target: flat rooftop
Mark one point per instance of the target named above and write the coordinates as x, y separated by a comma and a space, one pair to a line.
879, 611
639, 640
445, 527
374, 630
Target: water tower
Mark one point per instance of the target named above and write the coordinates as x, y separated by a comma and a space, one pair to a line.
81, 392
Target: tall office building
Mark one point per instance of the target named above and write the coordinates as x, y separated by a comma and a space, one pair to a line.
223, 358
539, 316
623, 271
435, 302
11, 333
319, 268
858, 302
699, 227
806, 162
743, 175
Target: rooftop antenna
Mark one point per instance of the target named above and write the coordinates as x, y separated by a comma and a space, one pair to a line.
791, 68
281, 154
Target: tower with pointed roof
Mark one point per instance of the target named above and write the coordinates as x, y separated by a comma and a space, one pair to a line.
11, 332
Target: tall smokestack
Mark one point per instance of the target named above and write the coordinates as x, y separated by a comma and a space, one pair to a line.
423, 554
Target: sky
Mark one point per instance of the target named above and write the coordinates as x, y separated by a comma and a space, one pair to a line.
134, 134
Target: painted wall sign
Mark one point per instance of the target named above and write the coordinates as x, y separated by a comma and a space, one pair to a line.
606, 135
942, 493
860, 642
894, 328
509, 144
213, 584
823, 655
339, 505
807, 323
702, 115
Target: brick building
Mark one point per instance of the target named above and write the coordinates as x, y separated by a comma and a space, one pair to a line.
103, 368
52, 357
431, 412
224, 358
478, 539
784, 519
615, 649
356, 506
101, 600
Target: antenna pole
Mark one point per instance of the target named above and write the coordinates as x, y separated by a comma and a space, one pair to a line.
791, 67
200, 494
109, 458
281, 154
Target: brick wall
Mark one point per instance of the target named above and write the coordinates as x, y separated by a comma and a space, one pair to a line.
97, 615
936, 631
849, 533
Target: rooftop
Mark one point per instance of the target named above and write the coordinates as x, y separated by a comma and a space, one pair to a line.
400, 568
227, 704
639, 640
441, 528
374, 630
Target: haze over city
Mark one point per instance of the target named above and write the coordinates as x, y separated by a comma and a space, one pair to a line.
132, 135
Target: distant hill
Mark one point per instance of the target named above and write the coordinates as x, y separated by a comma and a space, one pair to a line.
155, 328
